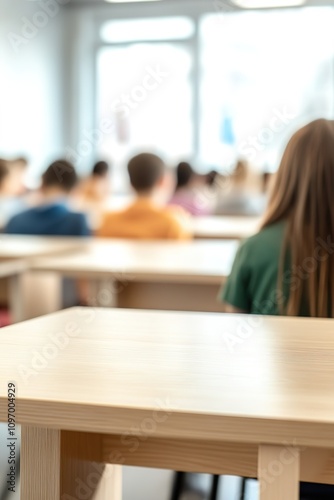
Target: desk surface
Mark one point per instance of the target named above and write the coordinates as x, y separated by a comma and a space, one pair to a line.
218, 227
209, 261
12, 267
13, 247
116, 368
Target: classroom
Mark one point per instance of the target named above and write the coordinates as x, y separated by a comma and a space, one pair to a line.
167, 250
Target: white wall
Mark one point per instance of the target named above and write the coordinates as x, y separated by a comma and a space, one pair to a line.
31, 83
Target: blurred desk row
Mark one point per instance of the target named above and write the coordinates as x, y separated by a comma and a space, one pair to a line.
137, 274
151, 275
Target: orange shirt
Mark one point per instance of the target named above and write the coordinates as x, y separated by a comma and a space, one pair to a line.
143, 220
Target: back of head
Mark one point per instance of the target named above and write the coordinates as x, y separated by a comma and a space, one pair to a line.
302, 194
240, 171
4, 172
61, 175
184, 174
145, 170
21, 162
100, 169
211, 177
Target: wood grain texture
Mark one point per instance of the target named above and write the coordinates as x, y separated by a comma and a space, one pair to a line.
109, 370
278, 475
182, 454
316, 465
221, 227
58, 465
40, 464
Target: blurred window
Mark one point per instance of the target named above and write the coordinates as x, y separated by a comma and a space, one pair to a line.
236, 86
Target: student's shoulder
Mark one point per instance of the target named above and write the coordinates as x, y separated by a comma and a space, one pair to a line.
114, 215
176, 213
177, 222
110, 221
77, 215
78, 221
265, 243
22, 215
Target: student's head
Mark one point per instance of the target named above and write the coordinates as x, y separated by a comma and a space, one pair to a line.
210, 177
101, 169
4, 174
60, 177
240, 171
184, 175
21, 162
146, 172
302, 195
267, 178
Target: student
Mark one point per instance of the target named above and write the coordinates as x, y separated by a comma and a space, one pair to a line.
288, 267
92, 193
19, 168
193, 191
95, 188
10, 201
145, 218
52, 216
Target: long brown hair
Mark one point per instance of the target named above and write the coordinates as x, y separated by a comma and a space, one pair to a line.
303, 195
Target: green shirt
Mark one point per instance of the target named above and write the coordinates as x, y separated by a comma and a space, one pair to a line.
253, 283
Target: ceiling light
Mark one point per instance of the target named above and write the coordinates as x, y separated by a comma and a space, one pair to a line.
267, 4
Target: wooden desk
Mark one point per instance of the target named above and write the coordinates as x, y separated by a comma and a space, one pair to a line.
10, 271
218, 227
169, 390
18, 247
27, 297
153, 275
10, 268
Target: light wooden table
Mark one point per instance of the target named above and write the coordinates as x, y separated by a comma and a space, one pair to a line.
154, 275
26, 293
18, 247
169, 390
225, 228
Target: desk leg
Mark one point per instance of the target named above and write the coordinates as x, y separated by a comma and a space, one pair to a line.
16, 299
58, 465
278, 473
32, 295
104, 293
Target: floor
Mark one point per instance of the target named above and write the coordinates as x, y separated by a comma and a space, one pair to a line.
156, 485
150, 484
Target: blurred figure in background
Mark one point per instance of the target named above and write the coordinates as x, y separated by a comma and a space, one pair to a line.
11, 191
53, 217
146, 217
237, 196
18, 168
91, 195
267, 180
193, 191
211, 178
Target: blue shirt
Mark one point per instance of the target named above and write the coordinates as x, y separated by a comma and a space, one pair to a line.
49, 220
